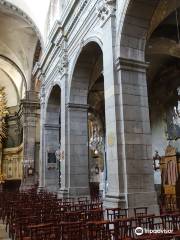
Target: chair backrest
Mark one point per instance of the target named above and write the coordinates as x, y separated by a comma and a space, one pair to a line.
140, 211
123, 228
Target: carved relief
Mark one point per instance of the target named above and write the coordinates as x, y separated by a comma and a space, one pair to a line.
106, 8
63, 62
42, 95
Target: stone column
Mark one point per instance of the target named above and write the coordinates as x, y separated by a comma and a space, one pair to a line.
63, 191
132, 102
128, 138
116, 195
29, 106
42, 140
78, 174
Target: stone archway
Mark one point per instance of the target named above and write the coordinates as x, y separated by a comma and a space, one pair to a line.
52, 137
148, 34
87, 70
135, 137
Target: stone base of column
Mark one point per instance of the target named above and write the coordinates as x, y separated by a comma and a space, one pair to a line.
73, 192
143, 199
63, 193
111, 201
133, 200
79, 191
27, 183
40, 189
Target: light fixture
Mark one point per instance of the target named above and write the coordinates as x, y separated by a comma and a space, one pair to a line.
59, 158
30, 171
156, 161
96, 169
96, 141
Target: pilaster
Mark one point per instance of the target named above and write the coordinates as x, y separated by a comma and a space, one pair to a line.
116, 189
78, 172
132, 102
29, 106
42, 139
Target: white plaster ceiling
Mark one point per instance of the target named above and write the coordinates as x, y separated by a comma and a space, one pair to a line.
37, 10
18, 41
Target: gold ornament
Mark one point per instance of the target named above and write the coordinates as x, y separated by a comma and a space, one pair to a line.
3, 114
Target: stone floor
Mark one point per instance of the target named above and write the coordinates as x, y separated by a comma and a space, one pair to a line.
3, 233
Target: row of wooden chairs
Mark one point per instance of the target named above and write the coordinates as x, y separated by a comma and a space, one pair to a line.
42, 216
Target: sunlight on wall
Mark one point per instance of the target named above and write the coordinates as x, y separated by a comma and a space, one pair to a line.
37, 10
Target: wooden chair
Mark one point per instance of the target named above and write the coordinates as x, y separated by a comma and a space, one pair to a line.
114, 213
98, 230
140, 211
71, 231
123, 229
94, 215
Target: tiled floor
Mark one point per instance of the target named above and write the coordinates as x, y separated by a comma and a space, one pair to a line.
3, 233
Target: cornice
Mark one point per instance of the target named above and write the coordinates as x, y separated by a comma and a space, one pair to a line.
13, 150
130, 64
59, 33
79, 106
56, 37
76, 15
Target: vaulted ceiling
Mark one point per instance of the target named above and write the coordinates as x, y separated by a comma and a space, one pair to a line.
163, 53
18, 42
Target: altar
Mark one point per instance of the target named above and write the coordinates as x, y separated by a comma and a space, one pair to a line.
170, 179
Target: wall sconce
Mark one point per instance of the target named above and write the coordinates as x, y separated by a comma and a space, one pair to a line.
96, 169
156, 161
30, 171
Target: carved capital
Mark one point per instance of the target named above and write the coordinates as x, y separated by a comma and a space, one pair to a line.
63, 62
42, 95
105, 9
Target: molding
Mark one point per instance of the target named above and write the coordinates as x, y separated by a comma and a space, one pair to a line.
56, 33
77, 106
49, 126
57, 37
76, 15
131, 65
13, 150
58, 46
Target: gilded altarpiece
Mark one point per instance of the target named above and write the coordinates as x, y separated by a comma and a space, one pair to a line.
12, 162
170, 172
11, 159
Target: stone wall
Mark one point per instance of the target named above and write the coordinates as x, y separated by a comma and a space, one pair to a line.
128, 133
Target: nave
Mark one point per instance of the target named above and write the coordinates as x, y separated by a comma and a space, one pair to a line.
30, 215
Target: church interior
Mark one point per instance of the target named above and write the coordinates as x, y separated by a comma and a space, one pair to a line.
89, 120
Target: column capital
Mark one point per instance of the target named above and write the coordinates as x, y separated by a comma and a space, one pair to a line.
131, 64
106, 9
